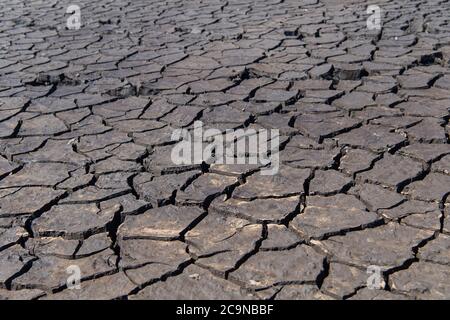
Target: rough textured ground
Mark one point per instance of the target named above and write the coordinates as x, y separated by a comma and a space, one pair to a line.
85, 171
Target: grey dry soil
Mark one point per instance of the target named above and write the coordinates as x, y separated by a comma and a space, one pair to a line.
86, 178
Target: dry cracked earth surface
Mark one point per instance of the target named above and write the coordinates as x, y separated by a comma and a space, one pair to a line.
86, 178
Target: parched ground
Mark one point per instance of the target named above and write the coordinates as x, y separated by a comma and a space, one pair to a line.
86, 178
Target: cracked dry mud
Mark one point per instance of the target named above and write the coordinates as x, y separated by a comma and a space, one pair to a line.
86, 118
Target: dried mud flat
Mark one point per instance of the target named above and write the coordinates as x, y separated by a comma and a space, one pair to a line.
86, 180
